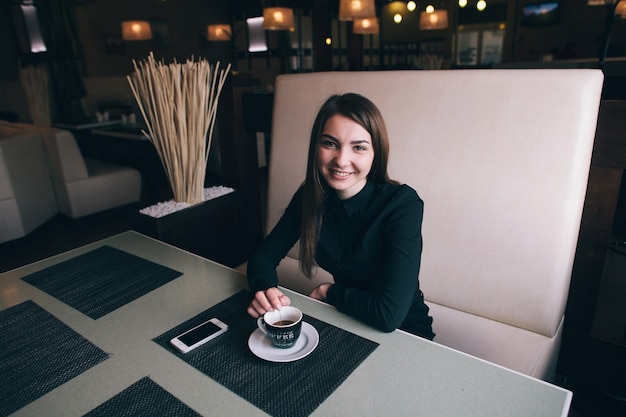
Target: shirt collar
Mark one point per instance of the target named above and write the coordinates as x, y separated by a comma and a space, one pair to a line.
355, 203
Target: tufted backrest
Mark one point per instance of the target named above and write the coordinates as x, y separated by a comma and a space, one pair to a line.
500, 158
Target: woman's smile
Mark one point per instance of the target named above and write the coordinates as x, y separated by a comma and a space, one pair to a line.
341, 174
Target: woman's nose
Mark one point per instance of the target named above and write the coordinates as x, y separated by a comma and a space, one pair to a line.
342, 158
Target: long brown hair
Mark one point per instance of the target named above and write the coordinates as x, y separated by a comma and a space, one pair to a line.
362, 111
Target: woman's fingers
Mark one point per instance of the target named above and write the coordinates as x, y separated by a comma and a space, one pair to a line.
268, 300
284, 300
274, 299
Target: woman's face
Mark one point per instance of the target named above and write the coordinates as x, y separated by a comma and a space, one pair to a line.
345, 155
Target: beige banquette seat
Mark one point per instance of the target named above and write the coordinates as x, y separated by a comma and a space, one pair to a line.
501, 159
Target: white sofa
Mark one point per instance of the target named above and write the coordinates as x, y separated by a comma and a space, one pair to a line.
26, 195
501, 159
85, 186
42, 172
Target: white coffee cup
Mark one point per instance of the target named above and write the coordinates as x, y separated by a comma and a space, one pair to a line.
282, 326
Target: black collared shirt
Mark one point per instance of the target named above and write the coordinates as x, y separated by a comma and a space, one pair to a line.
371, 244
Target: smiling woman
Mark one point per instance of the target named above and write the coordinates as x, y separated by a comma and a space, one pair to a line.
353, 221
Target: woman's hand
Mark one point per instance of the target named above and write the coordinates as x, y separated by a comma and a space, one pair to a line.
319, 292
268, 300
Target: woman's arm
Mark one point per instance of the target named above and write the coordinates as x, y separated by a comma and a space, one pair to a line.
261, 268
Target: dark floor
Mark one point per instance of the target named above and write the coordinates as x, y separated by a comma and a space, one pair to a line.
593, 401
61, 234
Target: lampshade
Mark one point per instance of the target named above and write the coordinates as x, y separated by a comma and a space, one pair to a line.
136, 30
435, 20
366, 26
620, 10
219, 32
278, 18
352, 9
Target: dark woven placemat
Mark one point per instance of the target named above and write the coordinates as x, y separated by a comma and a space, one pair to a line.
37, 354
280, 389
101, 281
144, 398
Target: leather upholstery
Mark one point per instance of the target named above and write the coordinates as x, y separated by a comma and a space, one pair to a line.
84, 186
42, 172
501, 159
27, 198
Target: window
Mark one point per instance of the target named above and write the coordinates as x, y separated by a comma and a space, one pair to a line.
28, 30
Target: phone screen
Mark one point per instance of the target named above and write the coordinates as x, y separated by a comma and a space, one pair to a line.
194, 336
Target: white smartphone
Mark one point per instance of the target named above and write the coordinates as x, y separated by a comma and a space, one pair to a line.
199, 335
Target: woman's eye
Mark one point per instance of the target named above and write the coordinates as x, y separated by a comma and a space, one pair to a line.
360, 148
329, 144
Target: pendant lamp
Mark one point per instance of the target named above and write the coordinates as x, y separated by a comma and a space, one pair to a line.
437, 19
620, 10
353, 9
136, 30
365, 26
219, 32
278, 18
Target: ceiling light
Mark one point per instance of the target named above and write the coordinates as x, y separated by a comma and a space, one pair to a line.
620, 10
438, 19
136, 30
219, 32
278, 18
353, 9
367, 26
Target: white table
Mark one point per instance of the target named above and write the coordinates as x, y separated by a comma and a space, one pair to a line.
404, 376
87, 125
133, 133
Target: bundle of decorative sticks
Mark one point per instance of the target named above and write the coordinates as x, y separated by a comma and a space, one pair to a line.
35, 83
178, 102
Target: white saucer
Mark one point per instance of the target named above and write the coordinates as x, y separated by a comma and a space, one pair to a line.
261, 346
